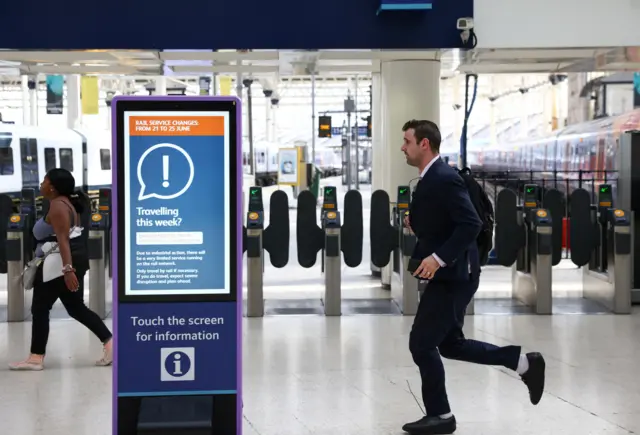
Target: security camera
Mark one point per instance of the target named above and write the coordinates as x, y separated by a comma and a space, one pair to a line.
275, 101
465, 23
110, 95
247, 82
267, 93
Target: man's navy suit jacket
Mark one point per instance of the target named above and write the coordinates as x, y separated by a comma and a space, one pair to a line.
446, 223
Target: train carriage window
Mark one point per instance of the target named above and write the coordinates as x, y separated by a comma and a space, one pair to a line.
5, 139
49, 159
105, 159
66, 159
6, 161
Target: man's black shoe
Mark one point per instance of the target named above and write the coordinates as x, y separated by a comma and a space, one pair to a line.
534, 377
432, 425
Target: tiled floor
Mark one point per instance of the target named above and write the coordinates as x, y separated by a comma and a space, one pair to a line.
351, 375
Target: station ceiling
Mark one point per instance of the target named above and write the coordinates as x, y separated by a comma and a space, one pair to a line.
274, 63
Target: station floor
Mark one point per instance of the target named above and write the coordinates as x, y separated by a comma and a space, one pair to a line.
310, 374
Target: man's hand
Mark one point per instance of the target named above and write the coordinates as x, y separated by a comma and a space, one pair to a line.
427, 268
406, 221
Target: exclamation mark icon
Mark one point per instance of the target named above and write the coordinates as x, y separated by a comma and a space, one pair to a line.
165, 171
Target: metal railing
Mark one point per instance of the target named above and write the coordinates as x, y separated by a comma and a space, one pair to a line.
564, 181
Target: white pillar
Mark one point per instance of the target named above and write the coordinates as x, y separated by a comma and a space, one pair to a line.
161, 86
25, 100
73, 101
410, 90
33, 101
377, 157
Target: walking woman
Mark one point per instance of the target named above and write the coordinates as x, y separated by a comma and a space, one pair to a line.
51, 280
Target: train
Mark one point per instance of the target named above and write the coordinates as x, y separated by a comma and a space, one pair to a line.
28, 152
581, 155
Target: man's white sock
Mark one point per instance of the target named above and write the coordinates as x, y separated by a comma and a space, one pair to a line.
448, 415
523, 365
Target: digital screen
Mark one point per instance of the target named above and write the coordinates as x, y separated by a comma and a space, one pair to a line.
403, 190
531, 189
605, 189
324, 126
176, 203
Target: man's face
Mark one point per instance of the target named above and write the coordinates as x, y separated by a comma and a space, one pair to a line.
412, 150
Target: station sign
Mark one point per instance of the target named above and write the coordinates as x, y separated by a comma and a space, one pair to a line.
324, 126
177, 259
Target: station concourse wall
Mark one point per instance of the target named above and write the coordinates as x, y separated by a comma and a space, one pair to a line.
245, 24
556, 23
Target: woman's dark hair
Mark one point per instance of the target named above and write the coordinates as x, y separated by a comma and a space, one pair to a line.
64, 183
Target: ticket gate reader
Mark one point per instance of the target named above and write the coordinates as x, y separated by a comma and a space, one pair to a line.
601, 243
332, 237
17, 256
525, 241
256, 239
329, 205
387, 237
98, 280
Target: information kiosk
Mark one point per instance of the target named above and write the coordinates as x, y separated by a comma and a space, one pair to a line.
177, 260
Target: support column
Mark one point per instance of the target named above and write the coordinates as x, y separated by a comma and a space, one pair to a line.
25, 100
377, 158
161, 86
73, 101
410, 90
32, 84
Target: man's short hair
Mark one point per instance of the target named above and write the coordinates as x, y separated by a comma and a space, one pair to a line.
424, 129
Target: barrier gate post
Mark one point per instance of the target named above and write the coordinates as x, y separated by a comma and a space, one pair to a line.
332, 262
97, 268
405, 287
17, 233
274, 239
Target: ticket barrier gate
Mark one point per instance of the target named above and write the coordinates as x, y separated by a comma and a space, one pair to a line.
333, 237
526, 242
17, 254
274, 239
104, 208
98, 296
387, 237
6, 210
601, 240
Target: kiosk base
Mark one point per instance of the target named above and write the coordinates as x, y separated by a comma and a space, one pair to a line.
185, 415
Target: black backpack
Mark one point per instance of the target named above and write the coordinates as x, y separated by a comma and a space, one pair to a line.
483, 207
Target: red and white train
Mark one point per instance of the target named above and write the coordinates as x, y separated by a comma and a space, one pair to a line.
579, 155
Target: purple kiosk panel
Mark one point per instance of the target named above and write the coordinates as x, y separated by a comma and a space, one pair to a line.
177, 265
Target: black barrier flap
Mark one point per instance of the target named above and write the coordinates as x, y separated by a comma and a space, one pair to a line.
554, 203
581, 232
384, 238
510, 236
255, 199
6, 210
309, 237
275, 238
352, 232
